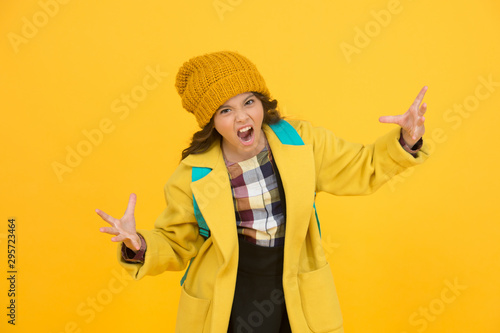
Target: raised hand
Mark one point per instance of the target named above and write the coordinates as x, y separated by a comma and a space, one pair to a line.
124, 228
412, 122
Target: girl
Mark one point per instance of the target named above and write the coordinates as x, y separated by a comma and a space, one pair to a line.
258, 264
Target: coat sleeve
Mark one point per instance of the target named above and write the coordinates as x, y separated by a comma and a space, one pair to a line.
346, 168
175, 238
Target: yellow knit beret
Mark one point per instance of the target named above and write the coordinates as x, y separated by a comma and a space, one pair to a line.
207, 81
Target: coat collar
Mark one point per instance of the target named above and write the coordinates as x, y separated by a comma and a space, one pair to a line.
214, 197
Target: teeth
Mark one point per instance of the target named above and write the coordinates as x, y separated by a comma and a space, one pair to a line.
245, 129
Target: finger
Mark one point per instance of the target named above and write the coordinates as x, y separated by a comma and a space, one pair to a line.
111, 220
109, 230
422, 109
131, 204
119, 238
420, 96
136, 245
390, 119
420, 121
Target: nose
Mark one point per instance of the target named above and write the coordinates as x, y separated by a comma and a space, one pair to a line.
241, 115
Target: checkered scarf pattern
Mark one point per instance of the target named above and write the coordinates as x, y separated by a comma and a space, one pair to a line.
259, 215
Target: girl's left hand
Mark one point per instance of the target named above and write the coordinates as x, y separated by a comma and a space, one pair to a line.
412, 122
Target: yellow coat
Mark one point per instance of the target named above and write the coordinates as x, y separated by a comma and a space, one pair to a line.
324, 163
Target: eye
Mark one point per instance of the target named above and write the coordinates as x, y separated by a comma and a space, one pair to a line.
223, 111
249, 102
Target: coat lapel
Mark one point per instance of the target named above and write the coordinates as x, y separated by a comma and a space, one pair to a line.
214, 197
296, 167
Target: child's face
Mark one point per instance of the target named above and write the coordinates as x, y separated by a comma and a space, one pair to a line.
239, 121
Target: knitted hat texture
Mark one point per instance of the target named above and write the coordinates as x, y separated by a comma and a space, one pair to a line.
207, 81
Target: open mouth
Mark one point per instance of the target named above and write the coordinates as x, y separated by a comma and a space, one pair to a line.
246, 134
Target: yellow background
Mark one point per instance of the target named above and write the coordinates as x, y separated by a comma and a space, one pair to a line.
393, 254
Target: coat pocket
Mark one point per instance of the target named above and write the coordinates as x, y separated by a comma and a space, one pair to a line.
192, 313
319, 301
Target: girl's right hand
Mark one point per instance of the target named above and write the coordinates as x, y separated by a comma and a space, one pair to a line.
124, 228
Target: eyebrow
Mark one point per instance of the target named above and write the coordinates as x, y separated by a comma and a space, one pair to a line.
226, 106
